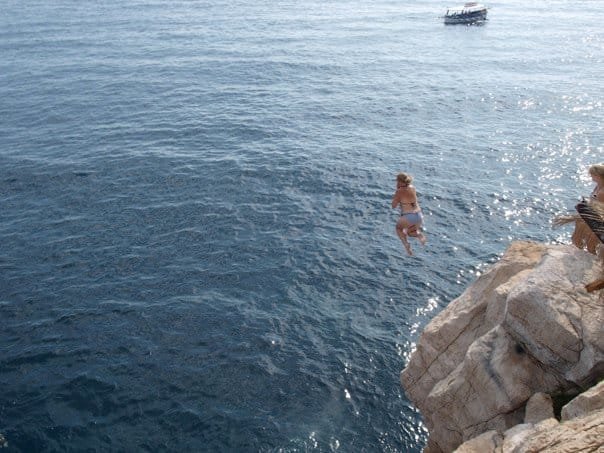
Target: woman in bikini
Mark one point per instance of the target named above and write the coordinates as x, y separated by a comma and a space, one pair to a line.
410, 221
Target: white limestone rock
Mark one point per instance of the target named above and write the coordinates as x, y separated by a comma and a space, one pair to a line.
516, 437
589, 401
579, 435
525, 326
538, 408
489, 441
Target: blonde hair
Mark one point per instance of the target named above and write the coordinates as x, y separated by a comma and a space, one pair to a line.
597, 169
404, 178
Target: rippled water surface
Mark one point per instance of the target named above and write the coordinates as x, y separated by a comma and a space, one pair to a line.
197, 248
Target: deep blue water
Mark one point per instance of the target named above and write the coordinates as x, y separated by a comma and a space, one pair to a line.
197, 248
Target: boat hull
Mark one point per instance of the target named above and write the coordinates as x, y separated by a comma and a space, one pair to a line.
466, 18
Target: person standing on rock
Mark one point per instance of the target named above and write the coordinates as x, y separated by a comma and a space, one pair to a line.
588, 223
597, 175
411, 219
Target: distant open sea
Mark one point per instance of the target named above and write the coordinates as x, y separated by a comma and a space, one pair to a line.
197, 250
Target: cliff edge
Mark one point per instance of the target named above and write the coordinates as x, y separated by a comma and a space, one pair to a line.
496, 367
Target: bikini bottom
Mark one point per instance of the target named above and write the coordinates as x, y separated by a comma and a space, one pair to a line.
414, 218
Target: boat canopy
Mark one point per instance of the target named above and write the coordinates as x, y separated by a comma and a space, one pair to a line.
468, 8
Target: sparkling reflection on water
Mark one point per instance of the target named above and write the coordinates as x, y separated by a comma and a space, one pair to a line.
198, 251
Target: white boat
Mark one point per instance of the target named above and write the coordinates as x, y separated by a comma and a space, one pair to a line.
469, 13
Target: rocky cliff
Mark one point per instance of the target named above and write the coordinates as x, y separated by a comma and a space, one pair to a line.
522, 341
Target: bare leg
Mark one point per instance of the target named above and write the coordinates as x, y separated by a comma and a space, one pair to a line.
401, 231
412, 231
415, 230
421, 237
580, 234
406, 244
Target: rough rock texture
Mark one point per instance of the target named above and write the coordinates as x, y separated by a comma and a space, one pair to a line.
538, 408
486, 442
525, 326
581, 435
583, 432
589, 401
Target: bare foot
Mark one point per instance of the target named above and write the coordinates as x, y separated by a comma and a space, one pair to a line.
422, 239
408, 248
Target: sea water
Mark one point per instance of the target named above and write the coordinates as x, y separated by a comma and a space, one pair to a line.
197, 246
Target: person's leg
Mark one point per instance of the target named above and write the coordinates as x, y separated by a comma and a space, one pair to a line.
415, 228
412, 231
402, 227
579, 234
421, 236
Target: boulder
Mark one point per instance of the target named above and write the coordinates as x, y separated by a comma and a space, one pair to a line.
526, 326
585, 403
538, 408
580, 435
490, 441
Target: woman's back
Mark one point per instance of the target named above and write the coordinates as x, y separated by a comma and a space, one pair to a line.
408, 199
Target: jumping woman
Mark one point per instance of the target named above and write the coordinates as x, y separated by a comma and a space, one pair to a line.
411, 219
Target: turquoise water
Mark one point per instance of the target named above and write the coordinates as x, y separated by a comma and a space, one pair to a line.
198, 250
